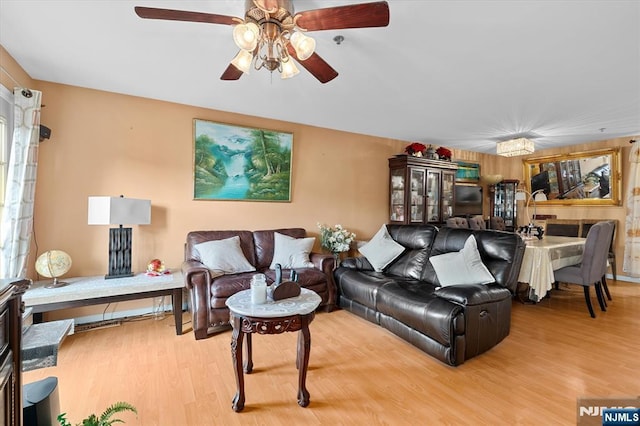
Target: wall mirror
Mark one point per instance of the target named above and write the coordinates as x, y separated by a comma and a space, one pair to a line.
582, 178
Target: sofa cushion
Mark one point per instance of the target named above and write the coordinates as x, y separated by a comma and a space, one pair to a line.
381, 250
413, 303
417, 241
197, 237
461, 267
291, 252
264, 244
223, 256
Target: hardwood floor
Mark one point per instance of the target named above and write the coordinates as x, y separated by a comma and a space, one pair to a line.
359, 373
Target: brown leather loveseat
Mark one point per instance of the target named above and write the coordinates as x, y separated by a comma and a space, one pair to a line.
208, 291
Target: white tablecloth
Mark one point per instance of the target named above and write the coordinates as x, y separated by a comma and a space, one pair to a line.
542, 257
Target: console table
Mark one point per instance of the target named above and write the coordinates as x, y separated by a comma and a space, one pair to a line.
85, 291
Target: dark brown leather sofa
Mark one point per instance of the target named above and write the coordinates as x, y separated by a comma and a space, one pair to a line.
453, 323
208, 294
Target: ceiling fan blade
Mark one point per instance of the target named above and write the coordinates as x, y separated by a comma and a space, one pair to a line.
354, 16
315, 65
231, 73
184, 15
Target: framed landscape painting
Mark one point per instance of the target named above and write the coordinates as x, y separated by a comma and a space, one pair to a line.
240, 163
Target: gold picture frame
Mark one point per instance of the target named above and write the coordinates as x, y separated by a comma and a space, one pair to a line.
581, 178
239, 163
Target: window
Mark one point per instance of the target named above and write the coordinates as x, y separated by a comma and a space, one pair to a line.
6, 130
4, 147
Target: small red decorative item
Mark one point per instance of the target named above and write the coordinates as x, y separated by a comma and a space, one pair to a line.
414, 148
156, 267
443, 153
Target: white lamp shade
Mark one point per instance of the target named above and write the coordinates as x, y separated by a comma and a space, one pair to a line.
289, 69
246, 36
521, 196
242, 61
304, 46
119, 211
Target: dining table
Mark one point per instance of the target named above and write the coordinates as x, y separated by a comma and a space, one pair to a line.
542, 257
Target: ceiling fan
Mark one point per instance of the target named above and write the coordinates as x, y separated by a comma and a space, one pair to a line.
271, 33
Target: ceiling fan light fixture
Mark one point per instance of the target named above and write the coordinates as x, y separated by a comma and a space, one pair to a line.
246, 36
242, 61
515, 147
304, 45
289, 70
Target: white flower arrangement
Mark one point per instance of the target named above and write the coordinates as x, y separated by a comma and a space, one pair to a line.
336, 239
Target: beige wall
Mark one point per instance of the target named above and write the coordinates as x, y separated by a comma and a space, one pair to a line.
108, 144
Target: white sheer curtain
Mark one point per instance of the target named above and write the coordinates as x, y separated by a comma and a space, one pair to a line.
17, 216
631, 263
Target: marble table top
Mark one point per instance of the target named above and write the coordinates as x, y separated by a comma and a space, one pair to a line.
307, 302
81, 288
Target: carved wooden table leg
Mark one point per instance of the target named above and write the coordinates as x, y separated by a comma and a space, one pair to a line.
248, 364
236, 356
302, 359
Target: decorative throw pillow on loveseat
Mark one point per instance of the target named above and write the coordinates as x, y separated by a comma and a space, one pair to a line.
381, 250
462, 267
291, 252
224, 256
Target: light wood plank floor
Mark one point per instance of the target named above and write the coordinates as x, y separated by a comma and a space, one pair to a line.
359, 373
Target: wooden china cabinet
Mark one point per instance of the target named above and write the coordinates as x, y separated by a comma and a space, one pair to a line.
420, 190
503, 202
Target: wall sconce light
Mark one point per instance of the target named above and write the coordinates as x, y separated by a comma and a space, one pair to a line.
119, 211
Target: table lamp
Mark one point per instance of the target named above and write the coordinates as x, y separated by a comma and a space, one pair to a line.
119, 211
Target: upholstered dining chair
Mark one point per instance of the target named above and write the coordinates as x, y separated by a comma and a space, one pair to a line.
586, 225
477, 222
593, 266
562, 227
497, 223
457, 222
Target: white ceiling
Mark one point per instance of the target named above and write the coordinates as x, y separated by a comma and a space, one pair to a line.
461, 74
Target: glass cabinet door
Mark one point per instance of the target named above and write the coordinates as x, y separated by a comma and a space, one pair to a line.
397, 195
447, 195
433, 196
417, 195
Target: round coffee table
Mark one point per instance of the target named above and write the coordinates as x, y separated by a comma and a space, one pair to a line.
292, 314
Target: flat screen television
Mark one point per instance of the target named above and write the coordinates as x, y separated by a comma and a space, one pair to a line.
468, 200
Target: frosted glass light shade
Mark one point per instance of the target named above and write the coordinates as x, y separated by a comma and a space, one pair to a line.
521, 196
246, 36
304, 46
515, 147
119, 211
242, 61
289, 69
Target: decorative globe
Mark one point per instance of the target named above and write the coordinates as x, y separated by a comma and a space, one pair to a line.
53, 264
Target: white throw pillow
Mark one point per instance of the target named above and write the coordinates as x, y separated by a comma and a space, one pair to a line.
381, 250
224, 256
291, 252
462, 267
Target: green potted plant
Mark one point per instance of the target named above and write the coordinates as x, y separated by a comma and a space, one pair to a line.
104, 419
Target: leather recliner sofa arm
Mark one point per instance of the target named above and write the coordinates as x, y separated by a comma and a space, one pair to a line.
197, 278
326, 263
195, 274
473, 294
323, 262
359, 263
